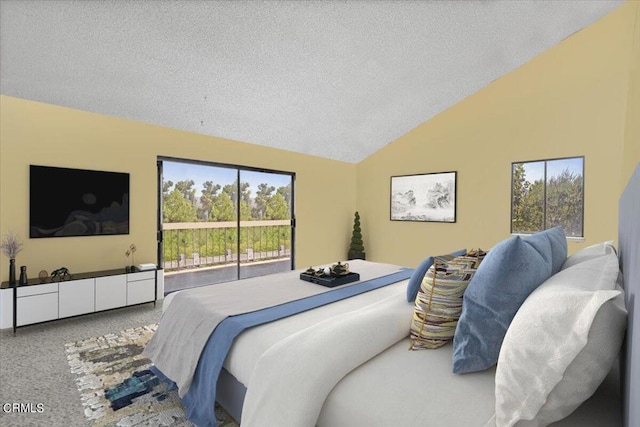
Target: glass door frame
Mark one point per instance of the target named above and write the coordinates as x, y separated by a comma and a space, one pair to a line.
239, 169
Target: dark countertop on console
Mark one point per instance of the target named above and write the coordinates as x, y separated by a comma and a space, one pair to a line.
76, 276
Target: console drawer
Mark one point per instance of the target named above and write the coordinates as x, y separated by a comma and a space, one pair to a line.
24, 291
37, 308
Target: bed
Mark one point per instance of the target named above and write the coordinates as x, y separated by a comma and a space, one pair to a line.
342, 359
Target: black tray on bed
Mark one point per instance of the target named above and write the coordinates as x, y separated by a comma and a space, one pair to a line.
331, 281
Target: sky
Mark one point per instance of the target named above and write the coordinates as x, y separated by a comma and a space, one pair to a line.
535, 170
179, 171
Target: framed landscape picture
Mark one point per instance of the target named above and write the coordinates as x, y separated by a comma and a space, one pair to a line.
429, 197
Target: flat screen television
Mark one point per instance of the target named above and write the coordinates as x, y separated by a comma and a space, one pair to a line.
77, 202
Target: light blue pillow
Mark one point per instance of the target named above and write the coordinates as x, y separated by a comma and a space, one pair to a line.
509, 273
558, 240
418, 274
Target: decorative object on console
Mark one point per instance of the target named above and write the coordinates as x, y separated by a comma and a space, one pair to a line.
146, 267
23, 275
43, 276
356, 248
429, 197
60, 274
11, 246
132, 250
12, 271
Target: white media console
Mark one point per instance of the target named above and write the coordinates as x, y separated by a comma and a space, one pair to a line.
84, 293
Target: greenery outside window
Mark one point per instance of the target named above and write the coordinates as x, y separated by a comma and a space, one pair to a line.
546, 194
220, 215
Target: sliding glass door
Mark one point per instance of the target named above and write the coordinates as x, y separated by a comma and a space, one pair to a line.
219, 223
265, 223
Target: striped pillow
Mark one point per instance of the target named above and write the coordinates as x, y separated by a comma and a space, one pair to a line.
439, 301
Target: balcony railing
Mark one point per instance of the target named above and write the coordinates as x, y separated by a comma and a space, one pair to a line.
203, 244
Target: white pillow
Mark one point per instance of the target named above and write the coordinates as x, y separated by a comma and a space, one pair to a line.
589, 252
560, 345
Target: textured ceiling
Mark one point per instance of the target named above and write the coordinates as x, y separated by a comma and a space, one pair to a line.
337, 79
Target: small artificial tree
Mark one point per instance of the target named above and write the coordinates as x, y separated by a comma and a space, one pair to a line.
356, 248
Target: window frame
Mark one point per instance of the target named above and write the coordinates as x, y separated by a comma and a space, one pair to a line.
544, 198
238, 168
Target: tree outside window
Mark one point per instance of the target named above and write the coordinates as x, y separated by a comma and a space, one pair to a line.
548, 193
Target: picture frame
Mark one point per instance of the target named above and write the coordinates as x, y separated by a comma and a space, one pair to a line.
427, 197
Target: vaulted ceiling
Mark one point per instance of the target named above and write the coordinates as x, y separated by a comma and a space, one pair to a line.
337, 79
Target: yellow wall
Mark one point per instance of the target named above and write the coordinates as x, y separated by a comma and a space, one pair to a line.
36, 133
569, 101
631, 155
582, 97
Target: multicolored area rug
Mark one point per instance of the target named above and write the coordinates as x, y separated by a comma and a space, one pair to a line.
118, 389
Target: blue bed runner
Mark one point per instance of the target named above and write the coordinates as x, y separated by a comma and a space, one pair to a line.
200, 398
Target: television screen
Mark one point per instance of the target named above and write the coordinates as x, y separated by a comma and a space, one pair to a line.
77, 202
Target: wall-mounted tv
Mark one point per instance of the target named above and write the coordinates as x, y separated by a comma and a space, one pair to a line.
77, 202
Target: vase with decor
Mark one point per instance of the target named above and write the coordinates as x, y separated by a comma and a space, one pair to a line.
12, 271
10, 246
356, 248
23, 275
132, 250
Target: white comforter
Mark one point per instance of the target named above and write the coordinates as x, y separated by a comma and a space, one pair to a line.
193, 314
349, 364
292, 379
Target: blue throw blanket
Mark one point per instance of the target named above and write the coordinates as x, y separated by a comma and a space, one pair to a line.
199, 400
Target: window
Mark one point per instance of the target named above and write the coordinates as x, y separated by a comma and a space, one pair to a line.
219, 222
548, 193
